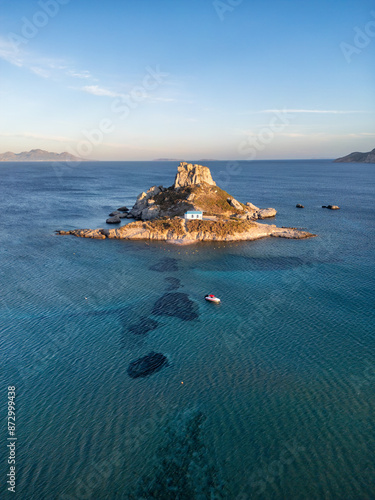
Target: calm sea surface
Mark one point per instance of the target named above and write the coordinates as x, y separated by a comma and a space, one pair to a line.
268, 395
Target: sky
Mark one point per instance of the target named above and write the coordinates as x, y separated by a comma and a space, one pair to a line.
188, 79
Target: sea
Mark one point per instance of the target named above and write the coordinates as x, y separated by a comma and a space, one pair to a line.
269, 394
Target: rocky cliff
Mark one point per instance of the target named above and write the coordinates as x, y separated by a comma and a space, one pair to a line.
193, 189
358, 158
192, 175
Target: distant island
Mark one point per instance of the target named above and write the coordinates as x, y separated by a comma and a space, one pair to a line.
193, 209
357, 157
180, 160
38, 155
167, 159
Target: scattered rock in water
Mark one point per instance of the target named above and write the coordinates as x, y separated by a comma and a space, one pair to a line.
143, 367
165, 265
174, 283
143, 326
123, 209
176, 304
331, 207
113, 220
299, 205
115, 212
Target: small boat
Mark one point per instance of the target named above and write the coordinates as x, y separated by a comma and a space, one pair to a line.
212, 298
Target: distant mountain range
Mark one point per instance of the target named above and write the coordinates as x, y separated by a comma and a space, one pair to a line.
358, 158
38, 155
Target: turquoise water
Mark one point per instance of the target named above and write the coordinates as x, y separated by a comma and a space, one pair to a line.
277, 398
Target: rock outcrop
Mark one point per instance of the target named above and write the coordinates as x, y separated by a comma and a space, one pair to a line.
145, 208
266, 213
192, 175
235, 204
113, 220
252, 207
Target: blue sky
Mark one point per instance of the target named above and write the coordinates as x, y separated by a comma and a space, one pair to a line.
190, 79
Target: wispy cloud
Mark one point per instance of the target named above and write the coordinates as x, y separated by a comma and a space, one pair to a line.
163, 99
318, 111
79, 74
31, 135
100, 91
104, 92
43, 67
9, 53
44, 73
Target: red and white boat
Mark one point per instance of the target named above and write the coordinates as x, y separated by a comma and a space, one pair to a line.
212, 298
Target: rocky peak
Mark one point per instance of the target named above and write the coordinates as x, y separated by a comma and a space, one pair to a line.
190, 175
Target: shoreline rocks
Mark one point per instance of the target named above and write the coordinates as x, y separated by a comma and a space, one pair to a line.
180, 232
113, 220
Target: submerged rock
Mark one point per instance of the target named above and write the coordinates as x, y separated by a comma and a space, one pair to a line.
174, 283
178, 305
147, 365
183, 466
165, 265
143, 326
